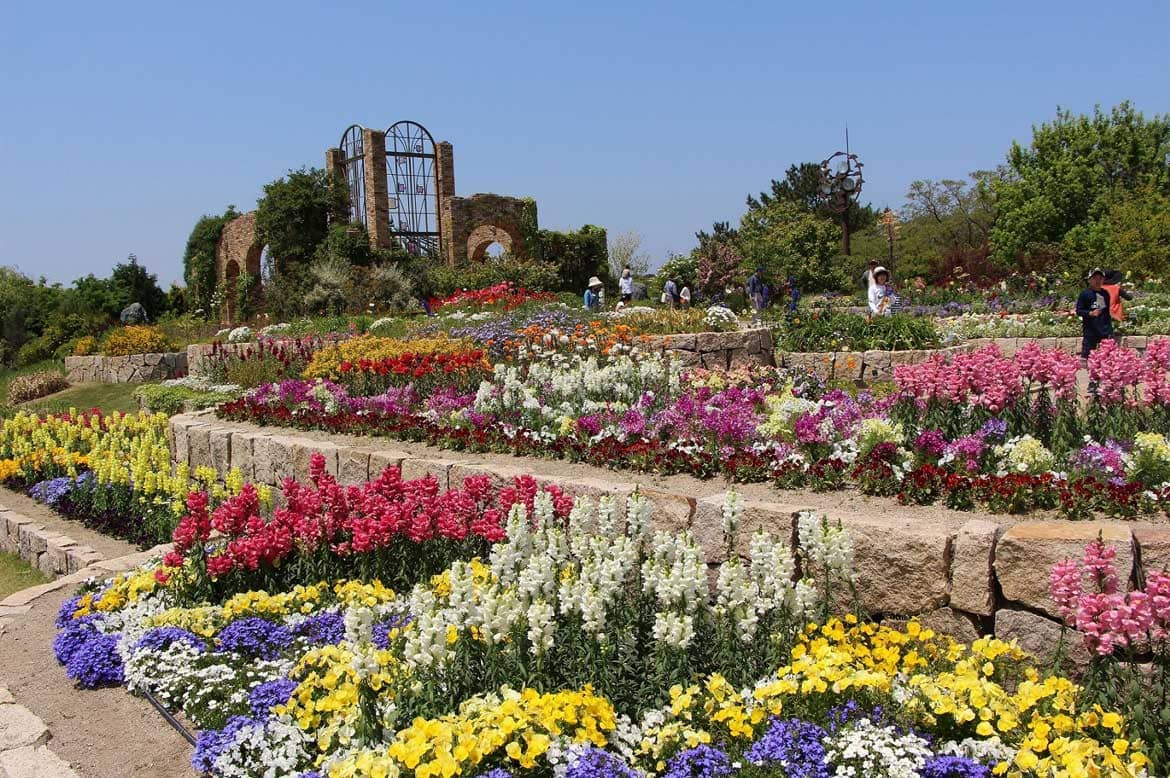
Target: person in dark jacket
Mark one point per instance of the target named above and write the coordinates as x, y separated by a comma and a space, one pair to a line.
1093, 308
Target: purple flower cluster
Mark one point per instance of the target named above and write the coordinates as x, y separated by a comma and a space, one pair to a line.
594, 762
702, 761
90, 656
322, 629
447, 400
796, 746
254, 637
74, 633
1097, 459
56, 490
162, 638
381, 637
497, 772
213, 742
730, 416
65, 613
954, 767
931, 442
268, 695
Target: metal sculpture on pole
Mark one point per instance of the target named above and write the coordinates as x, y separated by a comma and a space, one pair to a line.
841, 182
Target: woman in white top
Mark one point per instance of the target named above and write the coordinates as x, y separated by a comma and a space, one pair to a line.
881, 295
685, 296
626, 285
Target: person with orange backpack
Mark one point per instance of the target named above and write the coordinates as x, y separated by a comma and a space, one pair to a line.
1112, 285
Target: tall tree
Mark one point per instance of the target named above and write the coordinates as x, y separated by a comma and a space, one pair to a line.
625, 250
199, 258
786, 240
293, 216
1060, 187
801, 187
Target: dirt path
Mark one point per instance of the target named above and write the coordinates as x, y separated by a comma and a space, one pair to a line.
106, 733
108, 547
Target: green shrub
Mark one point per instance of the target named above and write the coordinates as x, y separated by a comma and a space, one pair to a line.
170, 400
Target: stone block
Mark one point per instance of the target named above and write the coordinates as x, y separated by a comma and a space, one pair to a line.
199, 446
241, 447
1026, 552
19, 727
972, 579
670, 512
302, 451
353, 465
414, 468
675, 342
849, 365
35, 762
901, 567
1041, 637
380, 460
280, 450
220, 440
32, 540
1153, 544
685, 358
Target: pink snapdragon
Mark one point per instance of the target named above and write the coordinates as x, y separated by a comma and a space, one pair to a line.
1115, 370
1108, 616
1050, 368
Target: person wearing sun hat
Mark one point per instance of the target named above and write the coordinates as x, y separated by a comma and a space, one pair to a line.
881, 294
1093, 308
593, 294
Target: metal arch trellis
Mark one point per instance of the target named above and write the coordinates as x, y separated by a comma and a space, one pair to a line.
412, 185
353, 155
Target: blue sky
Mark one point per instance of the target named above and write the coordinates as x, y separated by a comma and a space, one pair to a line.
122, 122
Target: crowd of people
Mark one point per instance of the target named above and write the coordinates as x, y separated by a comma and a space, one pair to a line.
1099, 305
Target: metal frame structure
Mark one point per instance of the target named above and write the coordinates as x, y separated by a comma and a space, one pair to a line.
841, 182
413, 189
353, 155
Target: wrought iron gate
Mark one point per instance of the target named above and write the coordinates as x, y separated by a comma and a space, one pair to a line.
412, 187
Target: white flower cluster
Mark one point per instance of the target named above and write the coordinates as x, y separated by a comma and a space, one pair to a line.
1024, 454
240, 335
548, 572
863, 749
826, 547
201, 383
275, 329
272, 748
720, 318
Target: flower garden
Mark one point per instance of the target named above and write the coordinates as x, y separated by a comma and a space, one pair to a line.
511, 627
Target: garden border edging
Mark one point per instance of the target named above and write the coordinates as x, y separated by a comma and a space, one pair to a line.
131, 369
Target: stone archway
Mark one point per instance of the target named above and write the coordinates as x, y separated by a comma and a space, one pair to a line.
239, 251
485, 235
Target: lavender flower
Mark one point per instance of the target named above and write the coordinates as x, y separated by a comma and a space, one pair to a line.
254, 637
65, 614
267, 696
73, 635
702, 761
594, 762
322, 629
96, 662
946, 766
164, 637
213, 742
994, 428
796, 746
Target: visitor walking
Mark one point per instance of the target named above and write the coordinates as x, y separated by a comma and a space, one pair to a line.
1117, 293
793, 294
757, 292
1093, 308
685, 296
626, 285
881, 294
670, 295
593, 294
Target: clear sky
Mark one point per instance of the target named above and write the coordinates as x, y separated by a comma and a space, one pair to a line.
122, 122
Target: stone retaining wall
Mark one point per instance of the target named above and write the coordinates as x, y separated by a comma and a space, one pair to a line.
960, 573
50, 552
879, 365
134, 368
717, 349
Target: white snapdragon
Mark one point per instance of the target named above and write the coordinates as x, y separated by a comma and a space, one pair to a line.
825, 545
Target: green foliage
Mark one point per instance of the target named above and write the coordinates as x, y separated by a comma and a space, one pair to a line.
1139, 233
293, 216
1059, 189
577, 255
330, 276
681, 267
170, 400
199, 258
786, 240
828, 330
801, 188
131, 283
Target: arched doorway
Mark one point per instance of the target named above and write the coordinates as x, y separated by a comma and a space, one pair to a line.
499, 239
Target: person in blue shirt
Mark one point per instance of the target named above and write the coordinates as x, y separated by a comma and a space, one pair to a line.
1093, 308
757, 292
670, 293
593, 294
794, 294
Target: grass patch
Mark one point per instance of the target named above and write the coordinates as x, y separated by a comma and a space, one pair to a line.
16, 574
105, 397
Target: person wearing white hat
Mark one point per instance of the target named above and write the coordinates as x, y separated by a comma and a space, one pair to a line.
881, 294
593, 294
